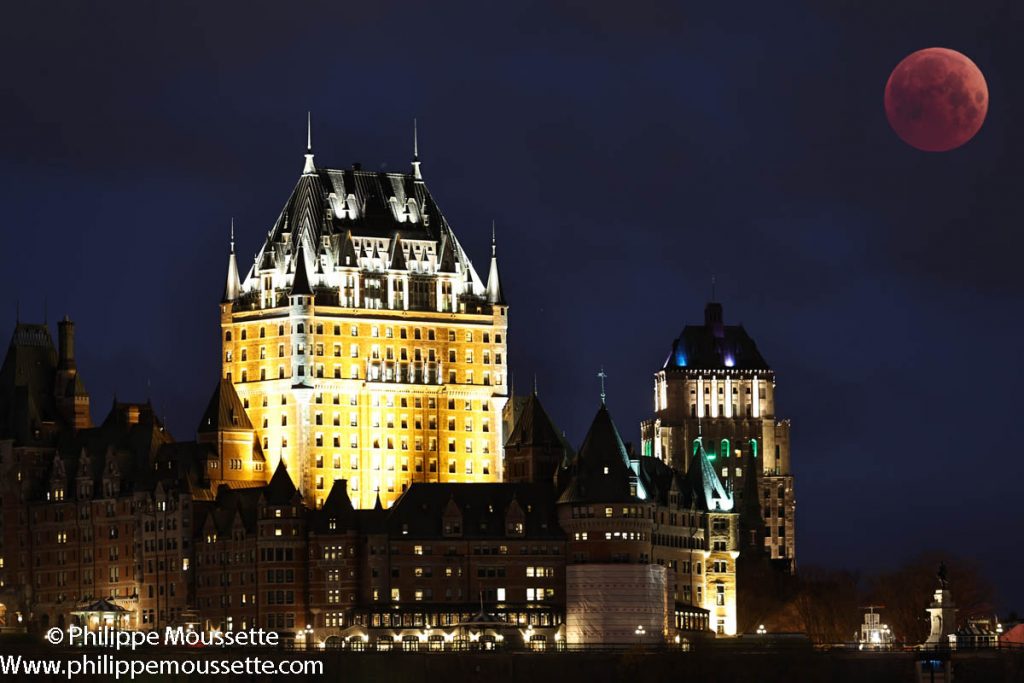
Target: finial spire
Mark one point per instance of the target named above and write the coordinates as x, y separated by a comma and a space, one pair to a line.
309, 168
712, 287
416, 172
233, 285
602, 376
494, 294
535, 384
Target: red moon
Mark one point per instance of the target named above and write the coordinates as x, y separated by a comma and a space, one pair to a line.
936, 99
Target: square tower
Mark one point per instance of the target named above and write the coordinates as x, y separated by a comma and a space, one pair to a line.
716, 388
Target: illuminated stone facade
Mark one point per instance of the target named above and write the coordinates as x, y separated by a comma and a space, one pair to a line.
678, 533
362, 343
716, 388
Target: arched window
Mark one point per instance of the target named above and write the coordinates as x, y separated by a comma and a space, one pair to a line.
723, 448
753, 447
227, 336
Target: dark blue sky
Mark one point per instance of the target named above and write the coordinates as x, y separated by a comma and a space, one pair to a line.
628, 152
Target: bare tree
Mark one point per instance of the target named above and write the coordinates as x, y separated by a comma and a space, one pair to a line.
826, 603
908, 590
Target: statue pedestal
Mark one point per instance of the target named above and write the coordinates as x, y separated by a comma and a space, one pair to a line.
942, 614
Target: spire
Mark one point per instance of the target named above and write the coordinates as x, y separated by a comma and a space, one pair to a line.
602, 376
233, 287
300, 283
494, 295
416, 173
309, 168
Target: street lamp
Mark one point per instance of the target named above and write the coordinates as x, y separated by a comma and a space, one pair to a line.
640, 632
761, 630
309, 637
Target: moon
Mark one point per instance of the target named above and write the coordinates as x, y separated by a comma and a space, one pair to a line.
936, 99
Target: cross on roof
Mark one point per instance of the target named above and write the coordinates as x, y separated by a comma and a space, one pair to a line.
603, 376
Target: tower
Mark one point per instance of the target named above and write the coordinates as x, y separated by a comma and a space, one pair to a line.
72, 399
363, 344
615, 593
716, 386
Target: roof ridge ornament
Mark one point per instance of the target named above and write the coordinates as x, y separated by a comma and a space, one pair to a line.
310, 167
602, 376
417, 174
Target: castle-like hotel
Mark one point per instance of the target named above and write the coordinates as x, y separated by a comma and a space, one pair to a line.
362, 476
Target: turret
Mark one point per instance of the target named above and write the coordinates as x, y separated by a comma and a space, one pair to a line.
494, 294
233, 286
66, 344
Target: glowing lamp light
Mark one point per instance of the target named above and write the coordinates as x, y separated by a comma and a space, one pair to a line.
729, 360
761, 630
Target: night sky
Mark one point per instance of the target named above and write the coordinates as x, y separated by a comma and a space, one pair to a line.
628, 153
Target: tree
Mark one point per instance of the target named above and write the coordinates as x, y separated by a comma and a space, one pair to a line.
907, 591
827, 604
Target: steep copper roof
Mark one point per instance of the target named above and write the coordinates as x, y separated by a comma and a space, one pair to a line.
27, 382
534, 427
704, 485
601, 471
281, 489
224, 411
420, 511
715, 345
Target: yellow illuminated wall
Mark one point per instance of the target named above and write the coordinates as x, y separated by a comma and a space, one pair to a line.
396, 396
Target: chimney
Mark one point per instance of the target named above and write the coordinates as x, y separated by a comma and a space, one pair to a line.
713, 319
66, 344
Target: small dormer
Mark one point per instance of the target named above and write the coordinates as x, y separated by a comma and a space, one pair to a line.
111, 475
58, 479
451, 519
515, 519
83, 481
